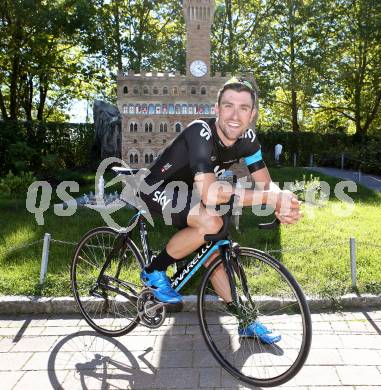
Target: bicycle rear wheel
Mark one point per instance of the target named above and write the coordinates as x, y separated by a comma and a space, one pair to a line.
269, 294
109, 303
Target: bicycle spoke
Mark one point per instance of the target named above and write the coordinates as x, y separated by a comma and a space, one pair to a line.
108, 301
276, 305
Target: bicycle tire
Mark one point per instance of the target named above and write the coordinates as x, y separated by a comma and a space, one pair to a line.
109, 307
281, 307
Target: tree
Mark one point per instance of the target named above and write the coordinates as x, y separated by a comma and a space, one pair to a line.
351, 68
40, 64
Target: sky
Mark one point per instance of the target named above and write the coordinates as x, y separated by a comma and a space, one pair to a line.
77, 112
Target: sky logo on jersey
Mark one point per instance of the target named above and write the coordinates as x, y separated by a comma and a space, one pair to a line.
249, 134
206, 132
165, 167
161, 198
218, 172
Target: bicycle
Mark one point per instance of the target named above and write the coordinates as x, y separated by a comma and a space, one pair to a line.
105, 279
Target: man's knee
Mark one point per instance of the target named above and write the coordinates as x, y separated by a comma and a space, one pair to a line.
212, 224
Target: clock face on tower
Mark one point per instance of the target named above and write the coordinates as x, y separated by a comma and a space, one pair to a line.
198, 68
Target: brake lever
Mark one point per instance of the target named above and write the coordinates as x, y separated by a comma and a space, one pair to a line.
270, 225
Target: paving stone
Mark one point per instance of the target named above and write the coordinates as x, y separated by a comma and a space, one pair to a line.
133, 379
210, 377
324, 357
359, 375
203, 358
177, 378
37, 379
13, 361
35, 344
9, 379
136, 359
66, 321
43, 361
174, 342
360, 357
361, 341
327, 341
317, 376
193, 329
136, 342
342, 387
169, 358
6, 344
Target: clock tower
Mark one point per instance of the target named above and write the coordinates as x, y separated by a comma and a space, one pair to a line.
198, 18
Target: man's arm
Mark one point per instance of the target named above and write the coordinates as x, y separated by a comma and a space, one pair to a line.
214, 192
285, 203
287, 206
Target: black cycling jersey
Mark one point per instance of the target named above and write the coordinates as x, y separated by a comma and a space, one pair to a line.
198, 149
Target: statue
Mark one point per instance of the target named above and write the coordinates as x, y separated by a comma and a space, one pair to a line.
108, 128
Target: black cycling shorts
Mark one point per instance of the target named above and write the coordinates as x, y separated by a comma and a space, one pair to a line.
173, 205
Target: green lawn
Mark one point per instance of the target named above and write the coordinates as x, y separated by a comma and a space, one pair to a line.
316, 250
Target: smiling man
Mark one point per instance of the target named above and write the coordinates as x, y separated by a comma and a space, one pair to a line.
202, 152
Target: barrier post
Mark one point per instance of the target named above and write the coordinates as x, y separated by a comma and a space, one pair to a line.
45, 257
352, 244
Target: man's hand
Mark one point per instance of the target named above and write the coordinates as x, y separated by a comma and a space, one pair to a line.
287, 207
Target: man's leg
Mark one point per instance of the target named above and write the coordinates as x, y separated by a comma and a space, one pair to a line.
201, 222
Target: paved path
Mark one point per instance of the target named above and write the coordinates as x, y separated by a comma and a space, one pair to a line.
61, 352
372, 182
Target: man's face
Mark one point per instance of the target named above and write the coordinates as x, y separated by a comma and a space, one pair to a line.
234, 115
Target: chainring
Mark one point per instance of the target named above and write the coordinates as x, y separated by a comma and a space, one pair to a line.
149, 316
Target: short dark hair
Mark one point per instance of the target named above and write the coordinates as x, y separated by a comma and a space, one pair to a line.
240, 84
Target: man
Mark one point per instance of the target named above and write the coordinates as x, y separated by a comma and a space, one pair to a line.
196, 156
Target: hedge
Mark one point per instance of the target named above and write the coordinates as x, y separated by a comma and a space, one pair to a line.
31, 146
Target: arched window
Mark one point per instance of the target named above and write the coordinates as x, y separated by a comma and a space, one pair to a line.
193, 90
136, 90
131, 158
125, 89
175, 91
151, 158
148, 127
165, 91
155, 90
163, 127
145, 90
203, 91
131, 127
136, 159
178, 127
146, 158
135, 127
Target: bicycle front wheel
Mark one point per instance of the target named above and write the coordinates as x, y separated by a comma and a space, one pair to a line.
107, 302
267, 293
